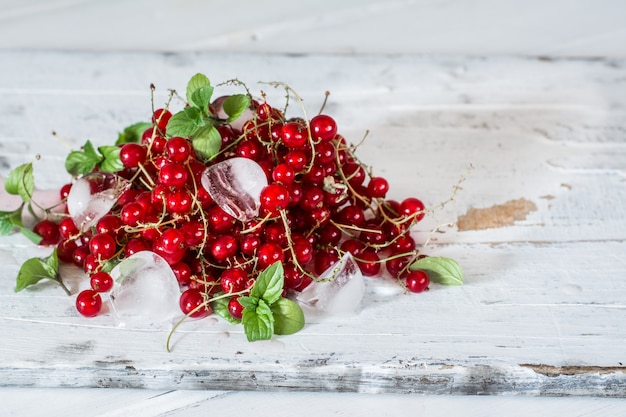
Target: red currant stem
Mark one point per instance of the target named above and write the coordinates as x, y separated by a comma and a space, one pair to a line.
198, 206
294, 258
356, 228
179, 322
256, 226
437, 229
326, 94
236, 82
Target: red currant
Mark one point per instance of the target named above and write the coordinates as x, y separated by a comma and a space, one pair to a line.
417, 281
101, 281
323, 127
89, 303
192, 303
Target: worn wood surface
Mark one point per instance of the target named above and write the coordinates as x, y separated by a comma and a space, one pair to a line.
542, 311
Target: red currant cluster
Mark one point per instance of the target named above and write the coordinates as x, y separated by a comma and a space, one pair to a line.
321, 202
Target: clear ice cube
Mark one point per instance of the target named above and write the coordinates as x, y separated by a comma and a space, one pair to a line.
340, 289
235, 185
146, 291
92, 196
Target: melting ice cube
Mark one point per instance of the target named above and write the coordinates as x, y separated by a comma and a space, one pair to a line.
146, 291
235, 185
92, 196
339, 291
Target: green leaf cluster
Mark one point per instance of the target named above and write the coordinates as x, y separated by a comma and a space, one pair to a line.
441, 270
198, 123
83, 161
266, 312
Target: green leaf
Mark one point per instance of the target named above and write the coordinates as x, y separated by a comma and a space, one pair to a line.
196, 82
112, 161
249, 302
259, 323
185, 123
288, 316
84, 161
441, 270
6, 227
220, 307
35, 269
269, 283
207, 142
21, 181
132, 133
30, 235
201, 98
235, 105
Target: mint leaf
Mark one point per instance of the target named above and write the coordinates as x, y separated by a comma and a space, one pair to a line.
207, 142
288, 316
185, 123
21, 181
269, 284
32, 236
220, 307
111, 161
10, 220
84, 161
249, 302
235, 105
201, 98
258, 323
35, 269
441, 270
132, 133
196, 82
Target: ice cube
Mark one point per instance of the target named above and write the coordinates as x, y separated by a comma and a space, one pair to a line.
92, 196
340, 289
235, 185
146, 291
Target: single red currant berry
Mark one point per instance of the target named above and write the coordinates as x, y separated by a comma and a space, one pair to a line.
49, 232
284, 174
293, 276
268, 253
192, 303
369, 262
412, 207
79, 255
377, 187
233, 280
179, 202
132, 214
101, 281
324, 153
403, 244
324, 259
303, 250
172, 240
294, 135
65, 251
103, 246
67, 228
65, 191
354, 173
296, 159
136, 245
274, 197
354, 246
312, 198
235, 308
92, 264
224, 247
178, 149
133, 154
109, 224
161, 117
351, 216
194, 232
89, 303
417, 281
395, 266
220, 221
249, 243
173, 175
323, 127
182, 272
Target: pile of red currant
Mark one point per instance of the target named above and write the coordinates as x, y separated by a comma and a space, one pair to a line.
320, 202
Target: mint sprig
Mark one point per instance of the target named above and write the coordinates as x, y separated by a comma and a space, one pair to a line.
84, 161
445, 271
21, 181
196, 121
132, 133
35, 269
265, 311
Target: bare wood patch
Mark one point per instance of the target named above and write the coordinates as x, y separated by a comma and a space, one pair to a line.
550, 370
499, 215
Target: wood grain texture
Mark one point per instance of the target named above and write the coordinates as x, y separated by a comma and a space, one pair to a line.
542, 311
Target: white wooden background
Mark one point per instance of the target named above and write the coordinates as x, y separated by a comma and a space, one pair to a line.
542, 312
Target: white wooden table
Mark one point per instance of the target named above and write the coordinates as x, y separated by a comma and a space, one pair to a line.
542, 312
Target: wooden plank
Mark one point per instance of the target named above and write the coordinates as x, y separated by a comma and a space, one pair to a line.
542, 312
